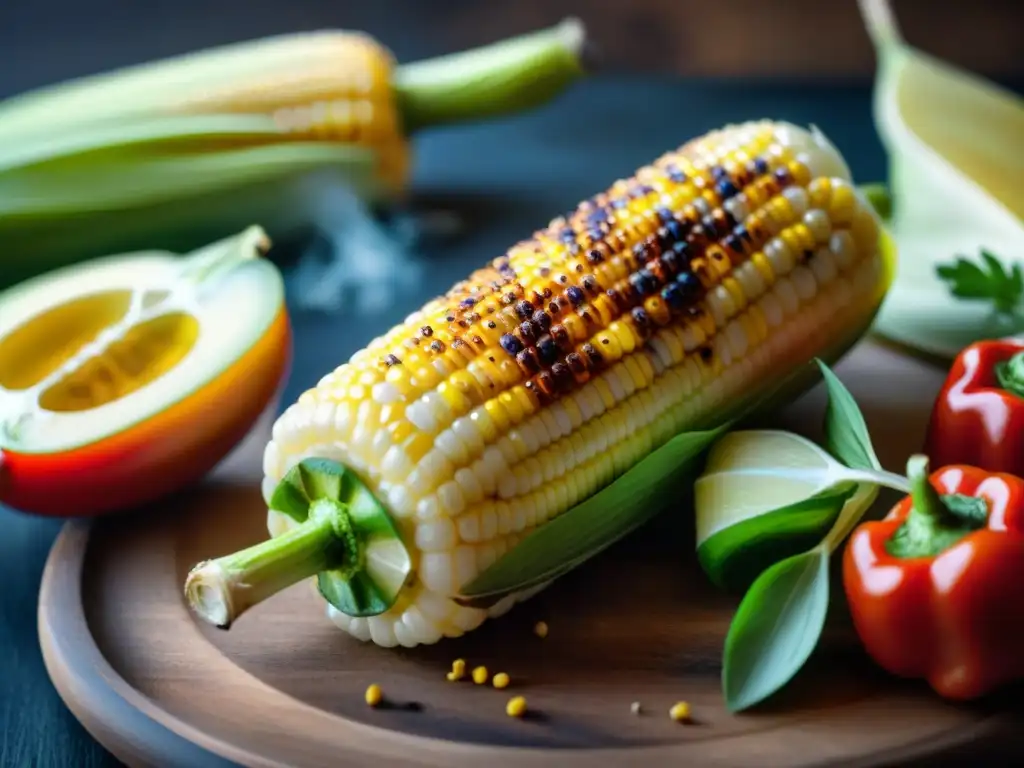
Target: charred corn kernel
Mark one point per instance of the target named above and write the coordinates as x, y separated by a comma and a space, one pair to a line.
680, 712
612, 334
501, 680
374, 696
516, 707
480, 675
540, 629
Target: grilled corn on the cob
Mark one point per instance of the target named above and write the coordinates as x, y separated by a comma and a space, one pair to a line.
177, 153
703, 280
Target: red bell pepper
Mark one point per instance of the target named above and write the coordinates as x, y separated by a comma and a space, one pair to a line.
978, 417
936, 589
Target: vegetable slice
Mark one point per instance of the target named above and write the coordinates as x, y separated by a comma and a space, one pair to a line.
129, 377
955, 150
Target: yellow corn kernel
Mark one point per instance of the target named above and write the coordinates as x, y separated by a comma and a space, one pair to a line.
418, 446
680, 712
516, 707
819, 192
736, 291
458, 670
755, 324
480, 675
540, 629
456, 400
374, 696
501, 680
764, 267
842, 205
799, 172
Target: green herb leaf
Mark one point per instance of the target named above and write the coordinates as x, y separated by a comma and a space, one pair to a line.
846, 433
593, 525
776, 628
768, 494
990, 281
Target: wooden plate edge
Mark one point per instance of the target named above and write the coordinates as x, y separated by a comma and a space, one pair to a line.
113, 712
138, 732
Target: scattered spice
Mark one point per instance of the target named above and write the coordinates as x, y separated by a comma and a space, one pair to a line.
516, 707
501, 680
480, 675
374, 696
540, 629
680, 712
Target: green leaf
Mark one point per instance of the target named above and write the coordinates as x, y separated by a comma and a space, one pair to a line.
953, 141
776, 628
846, 433
1003, 289
134, 137
734, 557
595, 524
768, 494
121, 180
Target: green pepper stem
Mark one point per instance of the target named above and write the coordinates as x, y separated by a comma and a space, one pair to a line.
925, 500
935, 522
1010, 374
508, 76
221, 590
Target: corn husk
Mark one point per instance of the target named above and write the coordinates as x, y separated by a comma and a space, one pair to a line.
955, 143
179, 152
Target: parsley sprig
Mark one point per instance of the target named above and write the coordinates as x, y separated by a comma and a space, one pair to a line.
990, 281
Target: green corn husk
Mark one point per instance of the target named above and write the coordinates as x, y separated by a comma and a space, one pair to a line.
955, 143
176, 153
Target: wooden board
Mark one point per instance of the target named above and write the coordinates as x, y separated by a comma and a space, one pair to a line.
639, 623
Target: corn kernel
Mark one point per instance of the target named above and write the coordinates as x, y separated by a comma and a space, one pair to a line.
516, 707
540, 629
680, 712
764, 267
501, 680
458, 670
374, 696
820, 192
480, 675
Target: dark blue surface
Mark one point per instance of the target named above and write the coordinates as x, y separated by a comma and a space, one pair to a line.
509, 178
